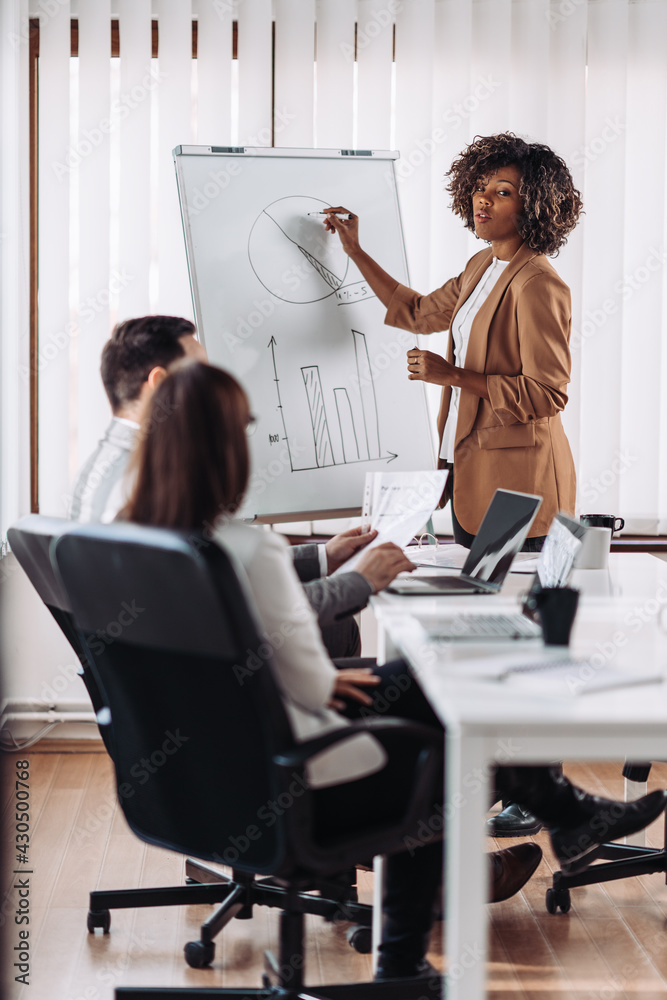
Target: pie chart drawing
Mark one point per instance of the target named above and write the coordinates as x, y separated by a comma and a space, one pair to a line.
292, 254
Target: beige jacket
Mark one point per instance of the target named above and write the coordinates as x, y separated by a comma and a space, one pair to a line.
520, 339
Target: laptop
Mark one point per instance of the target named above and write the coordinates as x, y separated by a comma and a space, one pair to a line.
501, 534
554, 568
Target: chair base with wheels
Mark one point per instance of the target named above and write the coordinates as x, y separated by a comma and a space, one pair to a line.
623, 860
283, 978
337, 901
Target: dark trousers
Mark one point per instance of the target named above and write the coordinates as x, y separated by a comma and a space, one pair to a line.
463, 537
414, 876
341, 638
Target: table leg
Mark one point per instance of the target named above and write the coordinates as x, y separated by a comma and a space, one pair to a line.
379, 869
466, 867
635, 790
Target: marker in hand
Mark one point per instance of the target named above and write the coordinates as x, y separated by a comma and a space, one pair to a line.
339, 215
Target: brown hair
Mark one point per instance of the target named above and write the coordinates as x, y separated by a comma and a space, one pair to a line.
192, 461
551, 203
135, 347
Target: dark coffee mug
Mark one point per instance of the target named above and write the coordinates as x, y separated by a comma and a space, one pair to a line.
603, 521
556, 608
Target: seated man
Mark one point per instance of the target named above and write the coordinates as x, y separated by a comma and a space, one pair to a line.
134, 361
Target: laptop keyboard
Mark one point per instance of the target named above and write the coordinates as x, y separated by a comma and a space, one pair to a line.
487, 627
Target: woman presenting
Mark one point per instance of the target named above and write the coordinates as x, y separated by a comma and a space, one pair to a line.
507, 365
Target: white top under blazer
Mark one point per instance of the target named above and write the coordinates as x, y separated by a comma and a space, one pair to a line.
460, 336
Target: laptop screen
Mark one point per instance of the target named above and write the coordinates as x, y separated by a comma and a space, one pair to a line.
501, 535
559, 552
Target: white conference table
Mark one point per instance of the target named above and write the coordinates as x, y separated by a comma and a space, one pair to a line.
620, 621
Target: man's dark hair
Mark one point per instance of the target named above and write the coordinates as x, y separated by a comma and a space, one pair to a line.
136, 347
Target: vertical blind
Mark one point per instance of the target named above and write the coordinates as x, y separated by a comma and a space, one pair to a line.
588, 77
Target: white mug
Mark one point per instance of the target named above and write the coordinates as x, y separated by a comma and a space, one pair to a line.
594, 551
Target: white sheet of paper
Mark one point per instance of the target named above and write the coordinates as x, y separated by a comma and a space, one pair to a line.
401, 504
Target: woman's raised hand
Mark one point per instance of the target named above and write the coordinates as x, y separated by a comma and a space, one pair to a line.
347, 229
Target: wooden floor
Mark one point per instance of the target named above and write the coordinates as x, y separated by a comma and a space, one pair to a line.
612, 944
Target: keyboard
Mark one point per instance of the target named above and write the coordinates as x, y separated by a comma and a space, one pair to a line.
486, 627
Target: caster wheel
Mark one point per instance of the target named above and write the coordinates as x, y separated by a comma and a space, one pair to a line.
98, 918
558, 899
361, 939
198, 955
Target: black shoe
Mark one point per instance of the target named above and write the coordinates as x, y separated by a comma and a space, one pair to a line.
576, 847
513, 821
511, 869
388, 968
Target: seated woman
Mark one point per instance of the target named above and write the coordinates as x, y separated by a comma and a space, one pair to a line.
191, 473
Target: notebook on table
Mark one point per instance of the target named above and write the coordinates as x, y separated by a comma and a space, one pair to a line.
501, 534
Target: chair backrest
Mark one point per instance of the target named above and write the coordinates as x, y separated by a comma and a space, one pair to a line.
196, 716
31, 539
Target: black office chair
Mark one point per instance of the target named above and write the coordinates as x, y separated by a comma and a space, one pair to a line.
623, 860
30, 540
220, 743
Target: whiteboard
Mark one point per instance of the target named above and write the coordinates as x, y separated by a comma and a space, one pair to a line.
279, 305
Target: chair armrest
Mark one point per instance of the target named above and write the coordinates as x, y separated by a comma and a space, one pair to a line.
299, 755
414, 811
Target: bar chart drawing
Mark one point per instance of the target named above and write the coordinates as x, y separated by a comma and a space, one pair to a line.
358, 440
348, 432
369, 406
318, 417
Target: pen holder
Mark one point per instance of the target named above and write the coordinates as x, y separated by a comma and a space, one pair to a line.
555, 608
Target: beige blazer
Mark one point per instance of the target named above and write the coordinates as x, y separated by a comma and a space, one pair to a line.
520, 339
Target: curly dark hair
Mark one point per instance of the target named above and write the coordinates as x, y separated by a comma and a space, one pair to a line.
551, 203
